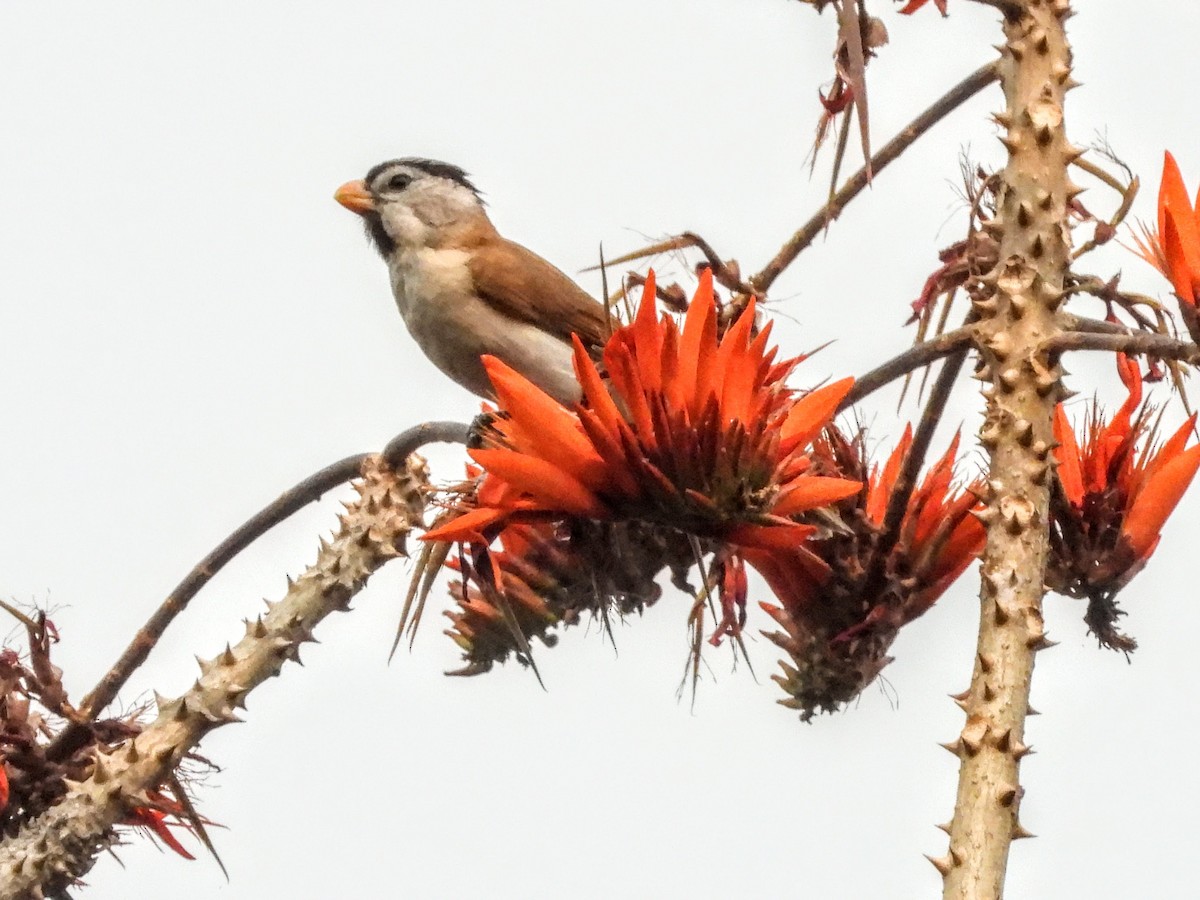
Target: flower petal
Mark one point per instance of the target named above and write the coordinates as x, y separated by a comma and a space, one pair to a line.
1070, 467
698, 346
467, 528
812, 491
647, 338
737, 369
770, 537
544, 481
812, 413
880, 490
594, 389
1157, 500
1178, 230
548, 429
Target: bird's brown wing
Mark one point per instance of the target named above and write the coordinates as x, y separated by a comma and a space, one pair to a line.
521, 284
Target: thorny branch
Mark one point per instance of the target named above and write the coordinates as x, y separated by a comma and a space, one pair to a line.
1032, 227
54, 849
287, 504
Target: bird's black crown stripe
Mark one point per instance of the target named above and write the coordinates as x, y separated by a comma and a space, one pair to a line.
429, 167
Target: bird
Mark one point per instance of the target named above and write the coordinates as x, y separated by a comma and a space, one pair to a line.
463, 290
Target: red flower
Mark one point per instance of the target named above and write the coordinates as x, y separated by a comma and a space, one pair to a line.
845, 594
155, 819
1174, 247
913, 5
1179, 231
691, 445
691, 431
1114, 498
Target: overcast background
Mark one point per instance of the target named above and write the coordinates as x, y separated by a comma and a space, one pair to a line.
190, 324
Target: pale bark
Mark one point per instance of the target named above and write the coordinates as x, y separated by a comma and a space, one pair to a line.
1031, 226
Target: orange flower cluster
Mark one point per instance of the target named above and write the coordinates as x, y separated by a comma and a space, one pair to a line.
845, 594
691, 444
698, 433
1116, 489
1174, 248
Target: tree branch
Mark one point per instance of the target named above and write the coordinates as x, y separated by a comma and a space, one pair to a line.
1010, 8
906, 478
59, 846
1072, 322
916, 356
1031, 222
947, 103
409, 442
1160, 346
287, 504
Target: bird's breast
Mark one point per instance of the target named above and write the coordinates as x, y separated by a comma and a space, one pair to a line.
425, 277
455, 327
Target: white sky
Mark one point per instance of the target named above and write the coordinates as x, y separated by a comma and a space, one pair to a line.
190, 324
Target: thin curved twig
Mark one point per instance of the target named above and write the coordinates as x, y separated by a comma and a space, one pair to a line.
910, 360
943, 106
409, 442
906, 479
1011, 10
289, 502
1081, 333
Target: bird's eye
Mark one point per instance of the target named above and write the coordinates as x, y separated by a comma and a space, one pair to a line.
399, 181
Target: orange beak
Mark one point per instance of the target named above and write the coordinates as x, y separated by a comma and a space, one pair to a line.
355, 197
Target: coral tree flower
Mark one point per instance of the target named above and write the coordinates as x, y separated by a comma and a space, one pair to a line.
691, 430
691, 442
159, 818
1116, 490
1174, 247
913, 5
844, 595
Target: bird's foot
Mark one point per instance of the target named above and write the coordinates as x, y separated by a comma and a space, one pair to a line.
482, 433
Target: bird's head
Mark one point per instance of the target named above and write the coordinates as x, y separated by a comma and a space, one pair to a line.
413, 203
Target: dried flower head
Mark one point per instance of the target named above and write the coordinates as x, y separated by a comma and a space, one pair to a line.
845, 594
